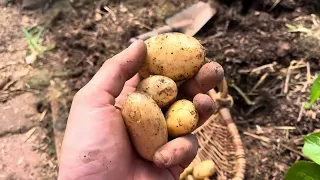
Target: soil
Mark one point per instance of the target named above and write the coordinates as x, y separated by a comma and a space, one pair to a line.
250, 40
25, 135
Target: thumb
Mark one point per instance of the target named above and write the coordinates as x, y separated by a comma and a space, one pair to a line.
180, 151
110, 79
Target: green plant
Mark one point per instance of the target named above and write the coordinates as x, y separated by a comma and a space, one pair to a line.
299, 28
309, 29
232, 84
33, 44
307, 170
315, 93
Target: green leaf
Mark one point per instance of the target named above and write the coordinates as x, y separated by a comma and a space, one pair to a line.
311, 147
307, 106
303, 170
298, 28
41, 29
315, 93
291, 27
26, 33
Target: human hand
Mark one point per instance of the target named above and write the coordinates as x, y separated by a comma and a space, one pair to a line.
96, 144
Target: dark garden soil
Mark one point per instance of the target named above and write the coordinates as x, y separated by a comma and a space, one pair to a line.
242, 39
250, 40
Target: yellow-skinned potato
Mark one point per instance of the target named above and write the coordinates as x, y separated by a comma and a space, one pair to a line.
174, 55
204, 169
182, 118
162, 89
186, 171
145, 123
189, 177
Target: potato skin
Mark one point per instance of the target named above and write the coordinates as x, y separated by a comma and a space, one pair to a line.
204, 169
187, 171
189, 177
162, 89
145, 123
182, 118
174, 55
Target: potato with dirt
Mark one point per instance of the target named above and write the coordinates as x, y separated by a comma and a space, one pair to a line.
162, 89
174, 55
182, 118
204, 169
152, 113
145, 123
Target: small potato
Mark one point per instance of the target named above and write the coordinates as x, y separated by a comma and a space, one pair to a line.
174, 55
182, 118
145, 123
204, 169
189, 169
162, 89
183, 175
186, 171
190, 177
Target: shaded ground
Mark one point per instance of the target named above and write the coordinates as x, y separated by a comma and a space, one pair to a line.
252, 44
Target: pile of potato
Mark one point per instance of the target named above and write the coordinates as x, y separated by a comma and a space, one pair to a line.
152, 113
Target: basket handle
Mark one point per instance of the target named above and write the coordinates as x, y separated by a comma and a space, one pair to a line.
223, 88
221, 98
224, 102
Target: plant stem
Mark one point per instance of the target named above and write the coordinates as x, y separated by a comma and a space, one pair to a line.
242, 94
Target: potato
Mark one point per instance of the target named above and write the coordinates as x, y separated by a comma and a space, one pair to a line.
145, 123
174, 55
186, 171
189, 169
182, 118
183, 175
162, 89
204, 169
189, 177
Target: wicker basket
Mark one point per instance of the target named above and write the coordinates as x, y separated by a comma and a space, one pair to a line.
219, 139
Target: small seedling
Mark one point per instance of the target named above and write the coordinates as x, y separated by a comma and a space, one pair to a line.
34, 46
315, 93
